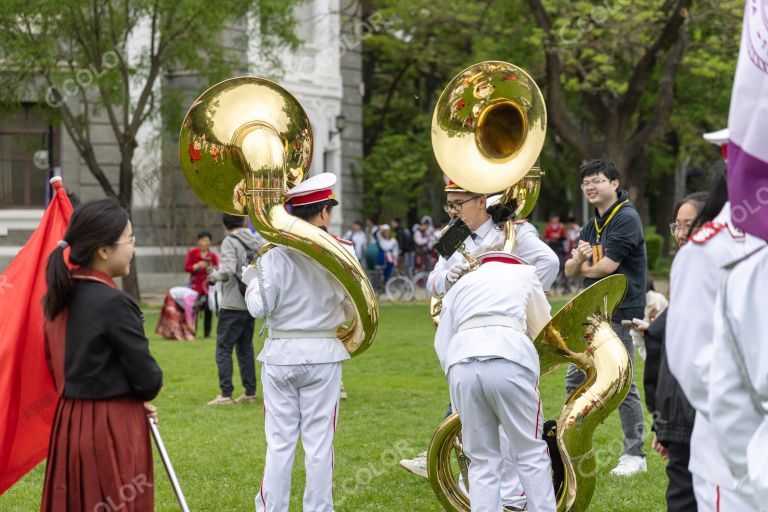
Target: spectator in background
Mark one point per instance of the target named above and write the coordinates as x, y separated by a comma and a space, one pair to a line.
199, 261
359, 239
404, 243
372, 250
613, 243
424, 240
388, 251
673, 415
555, 234
572, 235
235, 325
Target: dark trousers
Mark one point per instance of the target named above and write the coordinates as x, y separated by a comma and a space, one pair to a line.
680, 497
207, 320
235, 330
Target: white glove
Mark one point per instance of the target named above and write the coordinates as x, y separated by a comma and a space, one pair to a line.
638, 340
456, 271
248, 273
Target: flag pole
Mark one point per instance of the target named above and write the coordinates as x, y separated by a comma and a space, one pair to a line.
168, 467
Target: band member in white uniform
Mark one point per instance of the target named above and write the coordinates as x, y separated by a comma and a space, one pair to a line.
472, 209
738, 387
493, 371
486, 235
302, 304
739, 381
695, 279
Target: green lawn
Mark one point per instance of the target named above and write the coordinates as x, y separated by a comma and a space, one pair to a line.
397, 397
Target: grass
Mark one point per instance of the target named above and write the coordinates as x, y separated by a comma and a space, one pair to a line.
398, 395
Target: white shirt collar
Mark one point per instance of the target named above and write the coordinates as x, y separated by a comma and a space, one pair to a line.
484, 229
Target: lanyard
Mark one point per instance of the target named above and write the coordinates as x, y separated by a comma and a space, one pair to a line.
600, 229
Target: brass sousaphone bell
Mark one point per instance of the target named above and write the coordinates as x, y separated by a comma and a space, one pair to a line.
243, 144
488, 130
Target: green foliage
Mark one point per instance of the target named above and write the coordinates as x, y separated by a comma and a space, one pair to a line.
417, 47
103, 59
654, 244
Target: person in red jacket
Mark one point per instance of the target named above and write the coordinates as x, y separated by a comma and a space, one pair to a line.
201, 260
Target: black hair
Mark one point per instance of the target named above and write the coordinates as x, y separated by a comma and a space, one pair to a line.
203, 234
93, 224
358, 222
233, 221
501, 213
594, 167
718, 196
698, 198
309, 211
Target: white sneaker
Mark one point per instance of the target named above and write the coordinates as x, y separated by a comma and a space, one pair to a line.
417, 466
629, 465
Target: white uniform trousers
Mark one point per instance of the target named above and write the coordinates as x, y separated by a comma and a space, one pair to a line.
512, 493
713, 498
496, 392
299, 400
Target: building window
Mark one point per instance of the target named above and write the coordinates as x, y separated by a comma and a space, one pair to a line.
22, 133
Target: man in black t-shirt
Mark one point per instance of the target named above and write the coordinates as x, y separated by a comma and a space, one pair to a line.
613, 243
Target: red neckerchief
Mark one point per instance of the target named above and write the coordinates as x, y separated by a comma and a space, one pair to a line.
89, 274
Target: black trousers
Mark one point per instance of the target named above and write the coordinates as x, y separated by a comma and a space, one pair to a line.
680, 497
235, 330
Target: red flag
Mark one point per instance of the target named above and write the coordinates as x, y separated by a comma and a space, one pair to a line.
27, 395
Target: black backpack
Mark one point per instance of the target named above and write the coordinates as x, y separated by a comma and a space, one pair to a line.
249, 255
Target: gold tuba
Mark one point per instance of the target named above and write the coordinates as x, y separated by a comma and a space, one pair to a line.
243, 143
487, 132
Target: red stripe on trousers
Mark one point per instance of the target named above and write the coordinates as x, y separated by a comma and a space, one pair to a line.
717, 500
538, 411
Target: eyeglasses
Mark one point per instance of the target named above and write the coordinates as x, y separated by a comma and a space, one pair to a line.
458, 204
588, 183
674, 227
131, 241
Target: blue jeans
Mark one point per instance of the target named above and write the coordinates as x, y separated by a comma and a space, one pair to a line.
631, 409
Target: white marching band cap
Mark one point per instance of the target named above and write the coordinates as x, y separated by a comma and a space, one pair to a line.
717, 138
491, 201
314, 189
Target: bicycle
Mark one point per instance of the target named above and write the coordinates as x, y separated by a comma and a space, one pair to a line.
400, 288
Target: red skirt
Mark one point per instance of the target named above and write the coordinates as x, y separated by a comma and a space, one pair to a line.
99, 458
171, 324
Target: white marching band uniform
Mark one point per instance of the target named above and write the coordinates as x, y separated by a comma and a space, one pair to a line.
739, 418
696, 274
530, 248
301, 373
492, 369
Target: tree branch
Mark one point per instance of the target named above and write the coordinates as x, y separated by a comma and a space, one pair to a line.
556, 109
648, 131
390, 93
647, 63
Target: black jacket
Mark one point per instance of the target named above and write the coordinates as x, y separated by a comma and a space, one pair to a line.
673, 414
106, 353
623, 241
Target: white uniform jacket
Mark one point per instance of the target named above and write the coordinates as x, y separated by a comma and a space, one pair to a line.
528, 247
495, 289
300, 296
695, 280
734, 415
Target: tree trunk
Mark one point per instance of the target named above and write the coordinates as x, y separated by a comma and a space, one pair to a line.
635, 181
131, 281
